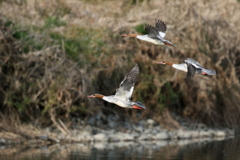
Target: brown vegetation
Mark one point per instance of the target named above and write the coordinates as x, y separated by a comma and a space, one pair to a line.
53, 54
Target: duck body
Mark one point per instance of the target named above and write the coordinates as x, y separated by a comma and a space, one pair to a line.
117, 101
123, 103
151, 40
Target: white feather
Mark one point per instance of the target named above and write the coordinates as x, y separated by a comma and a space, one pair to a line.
148, 39
162, 34
182, 67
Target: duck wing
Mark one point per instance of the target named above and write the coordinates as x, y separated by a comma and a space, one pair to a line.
152, 32
193, 62
190, 70
161, 27
125, 90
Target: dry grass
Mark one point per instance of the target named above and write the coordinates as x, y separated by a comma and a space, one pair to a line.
82, 52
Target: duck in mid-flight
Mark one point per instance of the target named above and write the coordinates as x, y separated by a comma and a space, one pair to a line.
154, 35
124, 92
191, 67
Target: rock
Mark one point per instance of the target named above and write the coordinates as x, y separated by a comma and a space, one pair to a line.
182, 134
122, 137
3, 141
100, 123
128, 137
110, 132
135, 134
142, 123
112, 124
100, 145
89, 138
219, 133
205, 134
91, 121
147, 136
112, 121
95, 130
128, 126
80, 137
113, 118
154, 131
150, 122
198, 126
161, 136
202, 126
138, 128
148, 131
173, 135
158, 128
194, 134
88, 129
100, 137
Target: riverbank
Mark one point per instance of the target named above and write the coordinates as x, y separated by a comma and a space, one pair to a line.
111, 131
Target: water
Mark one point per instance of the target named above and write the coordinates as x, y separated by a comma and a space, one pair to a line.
162, 150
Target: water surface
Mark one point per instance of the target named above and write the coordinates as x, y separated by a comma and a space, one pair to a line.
162, 150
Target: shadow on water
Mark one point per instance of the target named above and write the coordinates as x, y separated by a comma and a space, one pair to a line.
165, 150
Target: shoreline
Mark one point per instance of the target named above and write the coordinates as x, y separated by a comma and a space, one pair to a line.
116, 131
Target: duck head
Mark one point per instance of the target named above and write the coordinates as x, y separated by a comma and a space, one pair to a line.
166, 62
96, 96
129, 35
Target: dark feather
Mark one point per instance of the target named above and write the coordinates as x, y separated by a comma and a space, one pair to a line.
128, 83
130, 79
151, 31
191, 70
160, 26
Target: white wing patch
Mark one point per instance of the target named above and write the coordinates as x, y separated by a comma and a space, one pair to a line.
162, 34
182, 67
161, 27
129, 95
123, 94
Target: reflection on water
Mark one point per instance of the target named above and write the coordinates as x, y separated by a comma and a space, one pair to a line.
164, 150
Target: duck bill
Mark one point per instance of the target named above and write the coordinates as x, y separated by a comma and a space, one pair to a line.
125, 35
90, 96
138, 107
160, 63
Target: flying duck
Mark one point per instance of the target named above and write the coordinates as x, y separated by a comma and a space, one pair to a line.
124, 92
154, 35
191, 67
